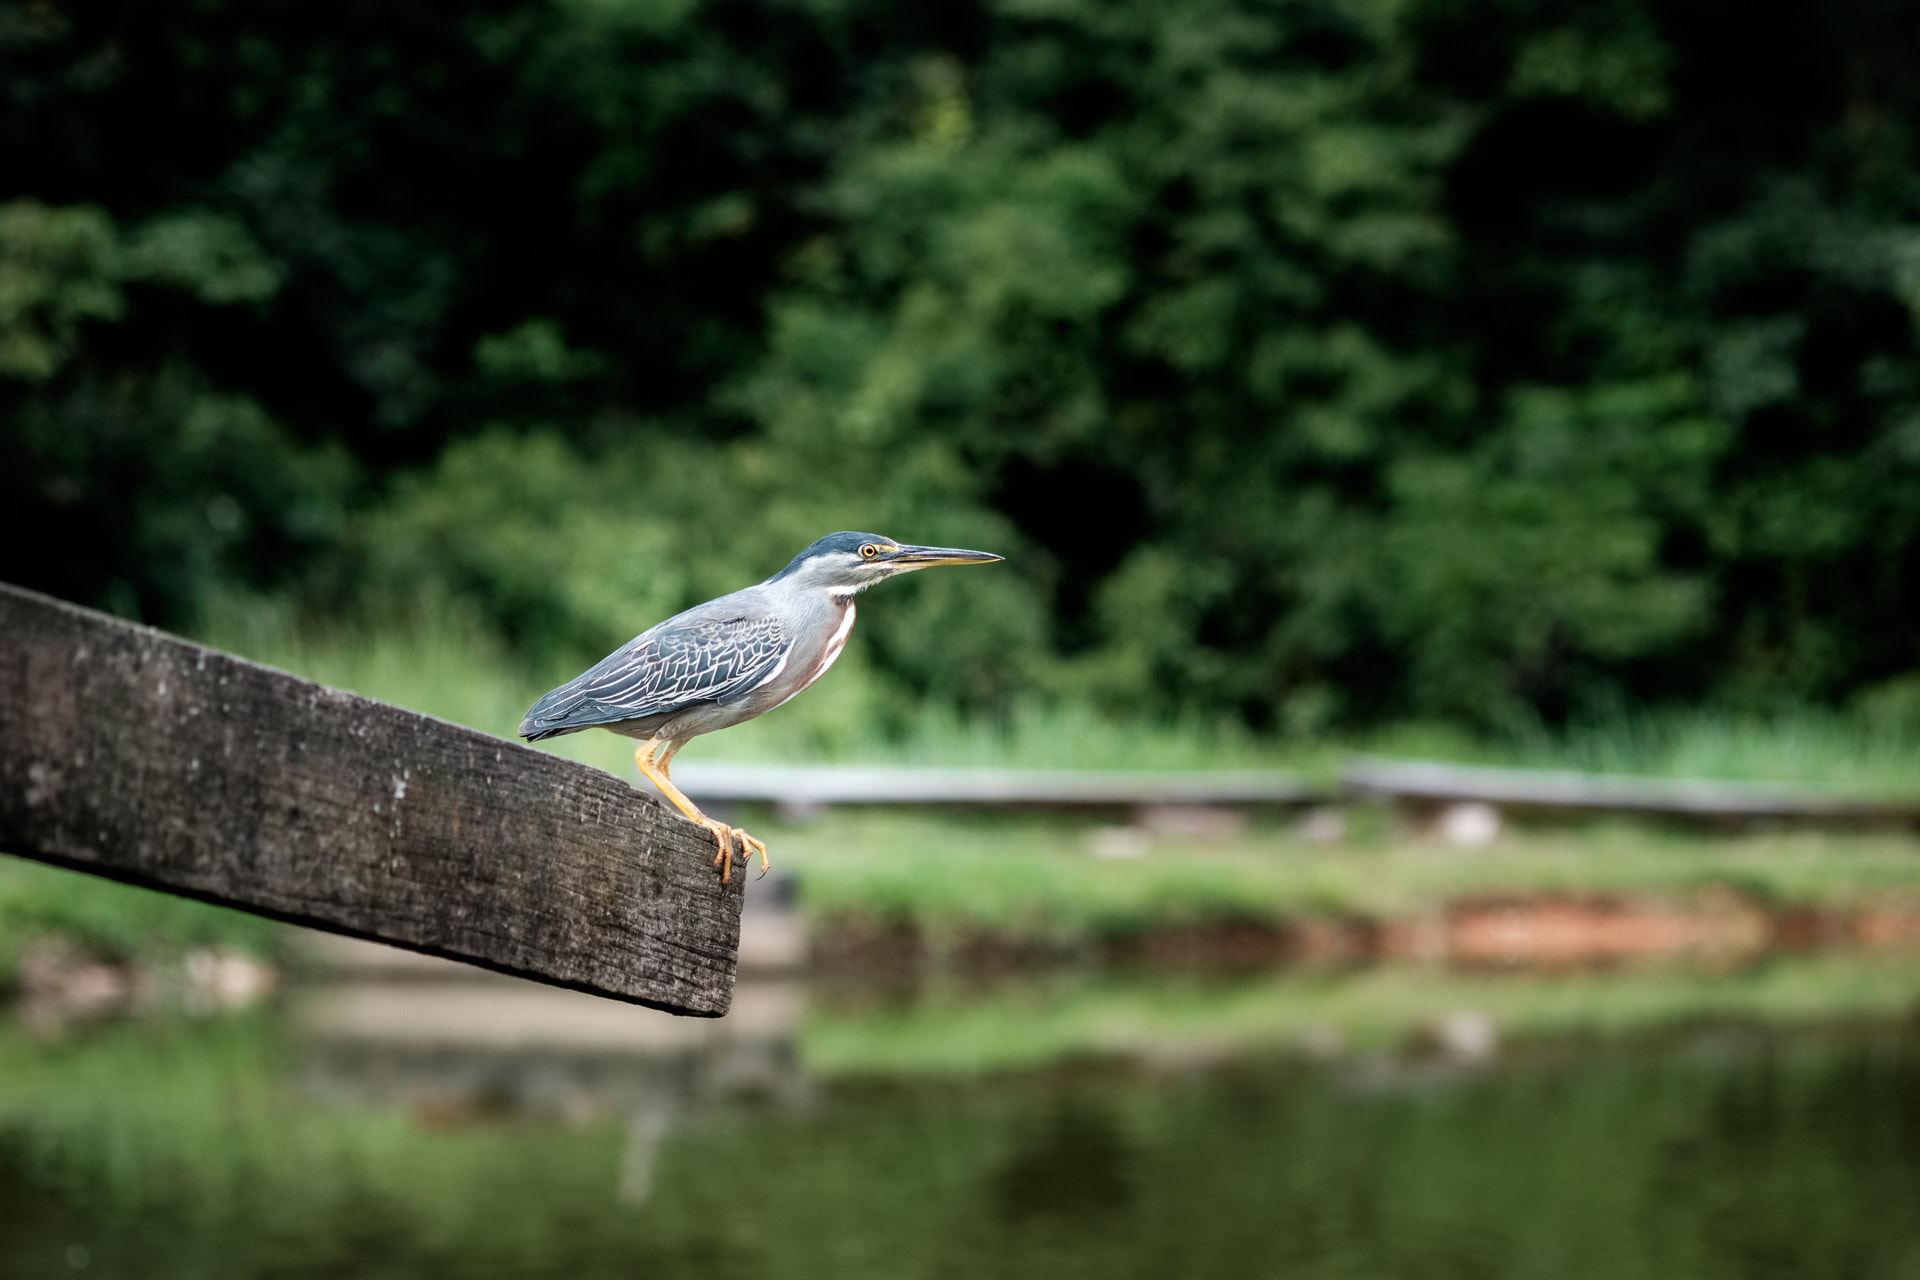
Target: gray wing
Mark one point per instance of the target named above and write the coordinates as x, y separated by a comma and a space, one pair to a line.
685, 660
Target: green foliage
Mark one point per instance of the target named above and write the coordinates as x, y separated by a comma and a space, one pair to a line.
573, 554
212, 257
55, 271
160, 484
1320, 365
1540, 550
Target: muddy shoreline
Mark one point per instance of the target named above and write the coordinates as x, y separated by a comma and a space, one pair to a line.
1530, 931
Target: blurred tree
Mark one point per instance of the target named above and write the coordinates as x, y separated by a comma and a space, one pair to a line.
1324, 362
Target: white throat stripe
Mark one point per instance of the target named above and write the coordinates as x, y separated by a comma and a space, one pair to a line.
827, 656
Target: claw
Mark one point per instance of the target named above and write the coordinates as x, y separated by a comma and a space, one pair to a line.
749, 846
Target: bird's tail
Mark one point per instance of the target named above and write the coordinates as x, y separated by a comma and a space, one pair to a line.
556, 712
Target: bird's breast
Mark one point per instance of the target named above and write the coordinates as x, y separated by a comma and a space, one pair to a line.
830, 652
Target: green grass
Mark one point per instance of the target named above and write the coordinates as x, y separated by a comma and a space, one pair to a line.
1809, 746
439, 663
1034, 879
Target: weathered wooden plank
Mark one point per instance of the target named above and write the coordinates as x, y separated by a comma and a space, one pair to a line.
1433, 782
886, 784
136, 755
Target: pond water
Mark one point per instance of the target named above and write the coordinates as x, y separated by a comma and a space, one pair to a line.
353, 1133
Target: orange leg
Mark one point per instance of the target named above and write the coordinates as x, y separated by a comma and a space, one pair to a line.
655, 771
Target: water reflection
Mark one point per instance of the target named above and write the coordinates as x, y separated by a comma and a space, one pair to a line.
451, 1044
402, 1124
1077, 1164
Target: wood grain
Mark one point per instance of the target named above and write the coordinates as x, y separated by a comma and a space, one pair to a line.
136, 755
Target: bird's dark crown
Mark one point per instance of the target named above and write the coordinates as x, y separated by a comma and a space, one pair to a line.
843, 543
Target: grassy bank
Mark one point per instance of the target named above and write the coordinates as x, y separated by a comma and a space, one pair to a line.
957, 881
1035, 880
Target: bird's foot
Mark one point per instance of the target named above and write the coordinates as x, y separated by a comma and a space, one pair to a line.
749, 846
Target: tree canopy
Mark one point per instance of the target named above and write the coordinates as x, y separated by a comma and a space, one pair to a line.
1480, 359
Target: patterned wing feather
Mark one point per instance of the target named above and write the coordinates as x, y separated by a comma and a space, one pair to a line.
674, 665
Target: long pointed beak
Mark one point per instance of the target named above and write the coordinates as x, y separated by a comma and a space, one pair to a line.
927, 557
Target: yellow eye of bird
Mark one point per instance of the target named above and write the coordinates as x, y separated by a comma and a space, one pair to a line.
869, 551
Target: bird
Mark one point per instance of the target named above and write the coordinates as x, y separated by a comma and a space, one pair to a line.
731, 659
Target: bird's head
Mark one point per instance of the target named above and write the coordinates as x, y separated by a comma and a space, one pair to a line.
852, 562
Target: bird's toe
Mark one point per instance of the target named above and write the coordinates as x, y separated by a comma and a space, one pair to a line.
749, 846
723, 835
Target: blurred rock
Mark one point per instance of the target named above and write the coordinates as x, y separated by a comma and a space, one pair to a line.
1119, 842
1192, 821
60, 983
1471, 824
1322, 1041
1324, 824
798, 813
1465, 1035
217, 981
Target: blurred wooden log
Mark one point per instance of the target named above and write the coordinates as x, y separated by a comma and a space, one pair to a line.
1041, 788
1422, 781
135, 755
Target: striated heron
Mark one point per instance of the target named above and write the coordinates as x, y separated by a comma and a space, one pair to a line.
729, 660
